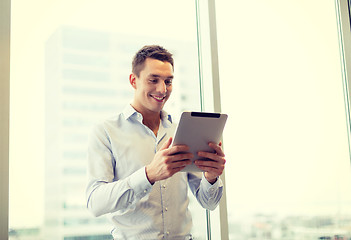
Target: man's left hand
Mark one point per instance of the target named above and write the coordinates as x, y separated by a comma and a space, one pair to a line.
213, 166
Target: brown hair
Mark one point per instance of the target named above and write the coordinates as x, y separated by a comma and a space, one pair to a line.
150, 51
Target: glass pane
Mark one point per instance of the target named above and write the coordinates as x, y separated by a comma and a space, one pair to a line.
288, 167
69, 69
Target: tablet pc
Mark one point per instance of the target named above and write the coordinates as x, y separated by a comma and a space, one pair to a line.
197, 129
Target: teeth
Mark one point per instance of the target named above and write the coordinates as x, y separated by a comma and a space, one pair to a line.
158, 98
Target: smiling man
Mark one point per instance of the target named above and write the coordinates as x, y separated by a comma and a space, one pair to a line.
134, 172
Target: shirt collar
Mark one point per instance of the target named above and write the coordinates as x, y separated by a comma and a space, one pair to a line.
166, 119
129, 112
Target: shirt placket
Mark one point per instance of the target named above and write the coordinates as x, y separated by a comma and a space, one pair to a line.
164, 204
163, 190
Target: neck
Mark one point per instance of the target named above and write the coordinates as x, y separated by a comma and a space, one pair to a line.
152, 122
150, 119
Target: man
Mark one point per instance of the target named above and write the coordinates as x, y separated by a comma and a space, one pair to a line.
133, 169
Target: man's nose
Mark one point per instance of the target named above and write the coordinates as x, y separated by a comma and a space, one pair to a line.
162, 88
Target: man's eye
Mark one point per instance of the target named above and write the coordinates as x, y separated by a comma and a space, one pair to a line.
153, 80
168, 82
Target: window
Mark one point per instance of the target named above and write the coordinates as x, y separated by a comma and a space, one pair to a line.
69, 69
286, 144
286, 139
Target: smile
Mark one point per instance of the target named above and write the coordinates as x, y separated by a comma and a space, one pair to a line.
158, 98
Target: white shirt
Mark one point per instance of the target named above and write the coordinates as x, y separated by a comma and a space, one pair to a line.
119, 150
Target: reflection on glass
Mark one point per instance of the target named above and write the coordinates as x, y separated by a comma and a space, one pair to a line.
82, 79
285, 140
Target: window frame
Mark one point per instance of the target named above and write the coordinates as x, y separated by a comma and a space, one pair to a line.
344, 27
5, 18
210, 90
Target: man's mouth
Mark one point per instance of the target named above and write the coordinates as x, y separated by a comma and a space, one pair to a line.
158, 98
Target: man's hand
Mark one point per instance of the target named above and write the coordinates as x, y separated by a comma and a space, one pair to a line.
168, 161
213, 168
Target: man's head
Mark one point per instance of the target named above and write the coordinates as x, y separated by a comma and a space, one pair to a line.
150, 51
151, 77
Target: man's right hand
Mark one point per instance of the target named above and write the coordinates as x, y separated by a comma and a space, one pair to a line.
168, 161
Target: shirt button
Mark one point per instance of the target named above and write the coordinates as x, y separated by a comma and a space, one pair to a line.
167, 233
166, 209
164, 186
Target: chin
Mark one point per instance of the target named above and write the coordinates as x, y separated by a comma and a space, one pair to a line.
158, 109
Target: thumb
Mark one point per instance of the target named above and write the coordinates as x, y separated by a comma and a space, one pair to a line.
166, 144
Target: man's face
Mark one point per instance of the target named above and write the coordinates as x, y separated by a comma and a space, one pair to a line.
153, 86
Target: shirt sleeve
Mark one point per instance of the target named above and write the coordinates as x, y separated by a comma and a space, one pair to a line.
207, 194
104, 193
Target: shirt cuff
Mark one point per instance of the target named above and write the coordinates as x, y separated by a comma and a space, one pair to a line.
208, 187
139, 183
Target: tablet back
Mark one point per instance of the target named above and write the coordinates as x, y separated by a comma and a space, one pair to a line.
197, 129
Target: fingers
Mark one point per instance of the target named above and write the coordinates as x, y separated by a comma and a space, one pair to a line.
212, 156
174, 149
166, 144
214, 168
218, 155
212, 163
172, 164
180, 164
177, 149
180, 157
177, 156
217, 148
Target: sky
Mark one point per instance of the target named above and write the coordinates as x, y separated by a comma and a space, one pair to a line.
286, 140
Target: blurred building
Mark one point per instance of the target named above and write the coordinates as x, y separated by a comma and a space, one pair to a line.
25, 234
87, 81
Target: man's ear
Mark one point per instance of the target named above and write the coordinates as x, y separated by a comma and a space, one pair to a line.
132, 80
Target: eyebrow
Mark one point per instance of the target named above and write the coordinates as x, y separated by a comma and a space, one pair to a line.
158, 76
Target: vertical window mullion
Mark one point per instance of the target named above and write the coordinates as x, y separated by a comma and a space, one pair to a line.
344, 27
4, 114
210, 85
